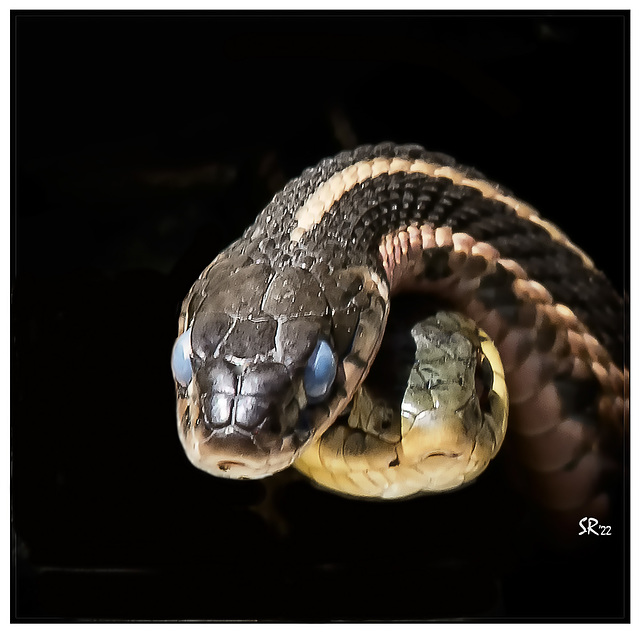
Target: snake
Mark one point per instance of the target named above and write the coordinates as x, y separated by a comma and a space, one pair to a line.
390, 318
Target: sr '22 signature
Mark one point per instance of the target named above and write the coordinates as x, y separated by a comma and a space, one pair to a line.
591, 526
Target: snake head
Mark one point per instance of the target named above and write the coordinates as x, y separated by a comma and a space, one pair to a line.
259, 365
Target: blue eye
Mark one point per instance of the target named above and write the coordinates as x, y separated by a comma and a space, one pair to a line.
320, 371
180, 359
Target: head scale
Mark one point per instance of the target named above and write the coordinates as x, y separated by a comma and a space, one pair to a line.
262, 362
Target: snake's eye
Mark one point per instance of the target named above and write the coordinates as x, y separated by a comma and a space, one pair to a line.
320, 372
180, 359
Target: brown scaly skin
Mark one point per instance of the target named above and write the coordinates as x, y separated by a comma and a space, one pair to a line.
321, 261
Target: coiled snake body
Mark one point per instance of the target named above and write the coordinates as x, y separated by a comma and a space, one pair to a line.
279, 332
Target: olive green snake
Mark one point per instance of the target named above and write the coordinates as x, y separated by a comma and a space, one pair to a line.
278, 334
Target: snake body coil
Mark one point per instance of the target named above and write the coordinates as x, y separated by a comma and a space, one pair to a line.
277, 335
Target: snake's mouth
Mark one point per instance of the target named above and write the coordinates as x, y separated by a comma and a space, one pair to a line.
238, 455
227, 465
236, 451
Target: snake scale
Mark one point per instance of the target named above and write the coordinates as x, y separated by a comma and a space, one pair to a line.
506, 318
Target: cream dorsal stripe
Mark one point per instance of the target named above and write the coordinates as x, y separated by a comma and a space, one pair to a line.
327, 194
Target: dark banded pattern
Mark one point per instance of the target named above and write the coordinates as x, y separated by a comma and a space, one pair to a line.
321, 261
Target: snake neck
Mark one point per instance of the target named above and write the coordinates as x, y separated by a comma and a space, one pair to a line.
336, 216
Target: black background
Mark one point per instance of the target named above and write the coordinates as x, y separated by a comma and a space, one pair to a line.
144, 144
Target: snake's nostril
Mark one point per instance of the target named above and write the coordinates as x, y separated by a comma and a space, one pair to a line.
268, 433
272, 424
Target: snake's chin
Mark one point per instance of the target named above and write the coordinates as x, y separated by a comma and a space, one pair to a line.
227, 465
238, 455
